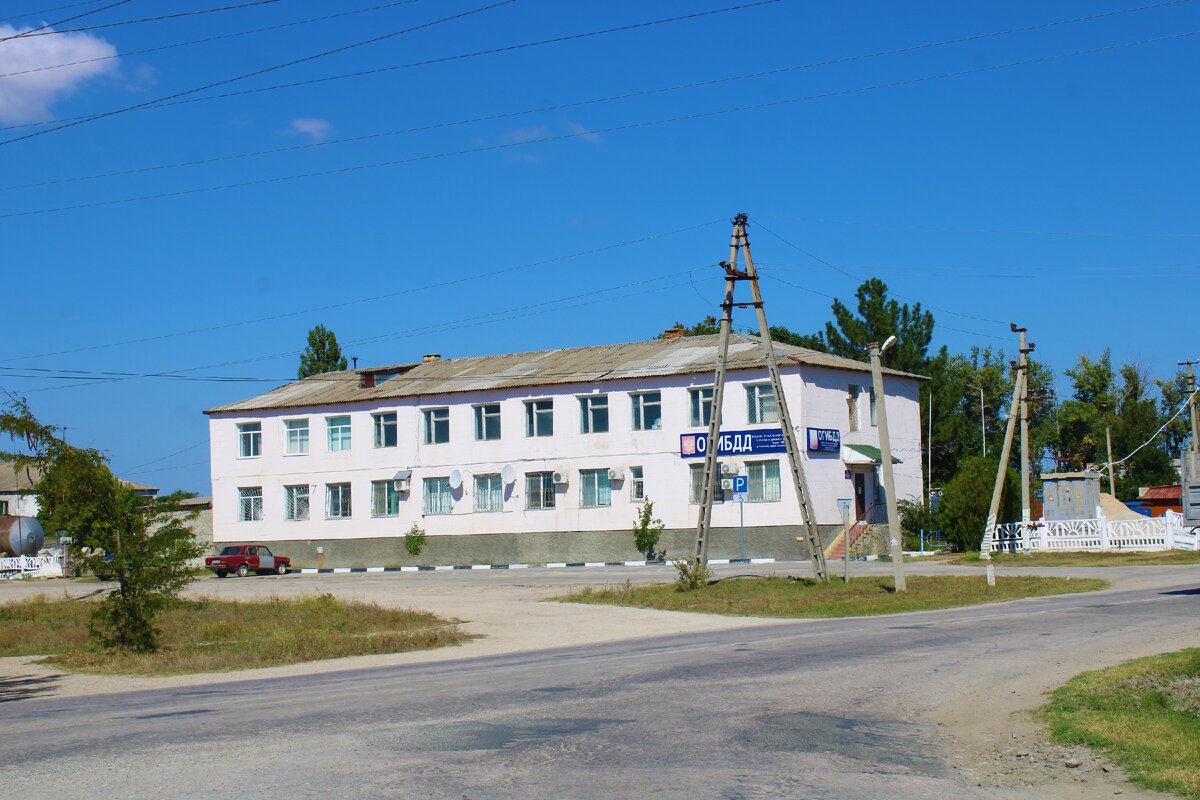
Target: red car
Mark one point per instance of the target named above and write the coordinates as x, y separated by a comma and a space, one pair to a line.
246, 558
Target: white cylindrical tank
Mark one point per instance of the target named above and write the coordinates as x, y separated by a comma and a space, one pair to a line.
21, 536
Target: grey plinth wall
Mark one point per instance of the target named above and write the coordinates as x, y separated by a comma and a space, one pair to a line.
539, 548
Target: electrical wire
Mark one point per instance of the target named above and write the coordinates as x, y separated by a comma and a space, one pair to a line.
196, 12
558, 106
191, 42
1021, 231
1154, 435
33, 31
190, 447
704, 115
50, 10
265, 70
372, 298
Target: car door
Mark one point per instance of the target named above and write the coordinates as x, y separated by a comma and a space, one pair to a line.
266, 559
252, 559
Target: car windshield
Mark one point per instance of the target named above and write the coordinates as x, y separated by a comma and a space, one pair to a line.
231, 551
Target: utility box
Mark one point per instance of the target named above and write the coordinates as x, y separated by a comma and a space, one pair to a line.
1189, 472
1071, 495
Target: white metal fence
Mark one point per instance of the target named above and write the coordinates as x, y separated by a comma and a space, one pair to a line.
1167, 532
32, 566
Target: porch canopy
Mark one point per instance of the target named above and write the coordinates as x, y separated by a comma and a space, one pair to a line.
864, 455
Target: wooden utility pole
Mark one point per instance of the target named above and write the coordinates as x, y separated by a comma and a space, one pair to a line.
989, 527
895, 537
738, 243
1112, 481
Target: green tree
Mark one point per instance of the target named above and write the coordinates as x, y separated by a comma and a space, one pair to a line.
1174, 393
963, 509
1136, 421
879, 317
647, 529
146, 544
322, 355
414, 540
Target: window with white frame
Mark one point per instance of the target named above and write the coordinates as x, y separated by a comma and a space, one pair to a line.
295, 503
701, 406
386, 429
647, 410
696, 488
637, 485
539, 491
437, 425
249, 439
489, 492
337, 501
385, 499
595, 488
296, 432
760, 403
339, 433
438, 499
487, 422
539, 417
593, 414
250, 503
764, 481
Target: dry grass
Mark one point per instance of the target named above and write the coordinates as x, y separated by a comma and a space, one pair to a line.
215, 636
1162, 557
804, 597
1142, 714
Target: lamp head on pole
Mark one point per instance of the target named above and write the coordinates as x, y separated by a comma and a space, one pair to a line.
891, 340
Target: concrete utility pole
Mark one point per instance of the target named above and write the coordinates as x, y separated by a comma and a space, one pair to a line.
885, 457
1112, 481
1024, 350
998, 489
1192, 411
812, 536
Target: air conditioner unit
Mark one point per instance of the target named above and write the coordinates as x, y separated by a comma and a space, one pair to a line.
401, 484
727, 484
558, 477
616, 474
729, 469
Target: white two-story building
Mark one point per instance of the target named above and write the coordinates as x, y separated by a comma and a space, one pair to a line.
548, 456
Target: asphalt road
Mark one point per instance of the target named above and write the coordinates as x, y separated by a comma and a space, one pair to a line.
829, 709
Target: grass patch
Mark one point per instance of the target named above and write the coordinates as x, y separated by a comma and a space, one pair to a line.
222, 635
805, 597
1143, 714
1161, 557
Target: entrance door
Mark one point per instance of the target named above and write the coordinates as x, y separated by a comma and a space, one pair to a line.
860, 495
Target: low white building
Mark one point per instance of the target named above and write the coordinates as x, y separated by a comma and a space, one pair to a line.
19, 498
547, 456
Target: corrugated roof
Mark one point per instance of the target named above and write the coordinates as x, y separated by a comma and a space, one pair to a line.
12, 480
1171, 492
654, 358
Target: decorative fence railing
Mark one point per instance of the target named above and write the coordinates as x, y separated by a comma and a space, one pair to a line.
37, 566
1167, 532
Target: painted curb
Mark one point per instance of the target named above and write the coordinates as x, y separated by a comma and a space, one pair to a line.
548, 565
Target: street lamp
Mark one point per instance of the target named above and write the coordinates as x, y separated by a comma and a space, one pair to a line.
982, 429
885, 457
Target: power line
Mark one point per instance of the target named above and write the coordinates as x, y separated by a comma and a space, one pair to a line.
196, 12
613, 129
49, 10
1022, 231
559, 106
33, 31
191, 42
265, 70
372, 298
190, 447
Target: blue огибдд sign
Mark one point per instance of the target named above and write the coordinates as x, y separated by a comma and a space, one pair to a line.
734, 443
824, 440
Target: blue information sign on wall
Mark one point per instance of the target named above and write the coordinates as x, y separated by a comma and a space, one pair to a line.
825, 440
734, 443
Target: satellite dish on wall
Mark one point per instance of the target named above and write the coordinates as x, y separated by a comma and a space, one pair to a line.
456, 479
508, 474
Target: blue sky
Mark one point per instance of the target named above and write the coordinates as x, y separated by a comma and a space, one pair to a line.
1059, 193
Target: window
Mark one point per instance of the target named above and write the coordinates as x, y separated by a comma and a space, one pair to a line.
872, 392
539, 418
489, 493
385, 500
764, 481
487, 422
296, 431
437, 425
385, 429
295, 503
697, 485
339, 433
595, 489
337, 501
760, 403
539, 490
438, 499
250, 503
3, 508
701, 406
637, 485
593, 413
852, 404
647, 411
250, 439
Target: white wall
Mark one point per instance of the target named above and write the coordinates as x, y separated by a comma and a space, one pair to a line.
819, 402
20, 505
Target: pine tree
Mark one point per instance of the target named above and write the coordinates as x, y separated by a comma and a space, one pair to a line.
323, 353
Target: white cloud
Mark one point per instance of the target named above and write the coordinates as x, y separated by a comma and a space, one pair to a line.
317, 130
525, 135
585, 133
28, 97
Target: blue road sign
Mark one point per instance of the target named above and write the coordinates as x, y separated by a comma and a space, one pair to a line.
741, 487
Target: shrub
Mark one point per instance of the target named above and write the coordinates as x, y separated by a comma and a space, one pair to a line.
414, 540
964, 506
647, 530
692, 575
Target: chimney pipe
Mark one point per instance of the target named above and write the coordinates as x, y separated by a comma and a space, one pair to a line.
675, 332
429, 358
354, 362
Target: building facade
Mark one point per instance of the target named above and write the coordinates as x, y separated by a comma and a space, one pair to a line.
548, 456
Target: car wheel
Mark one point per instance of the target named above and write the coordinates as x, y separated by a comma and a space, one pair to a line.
281, 569
221, 573
243, 570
